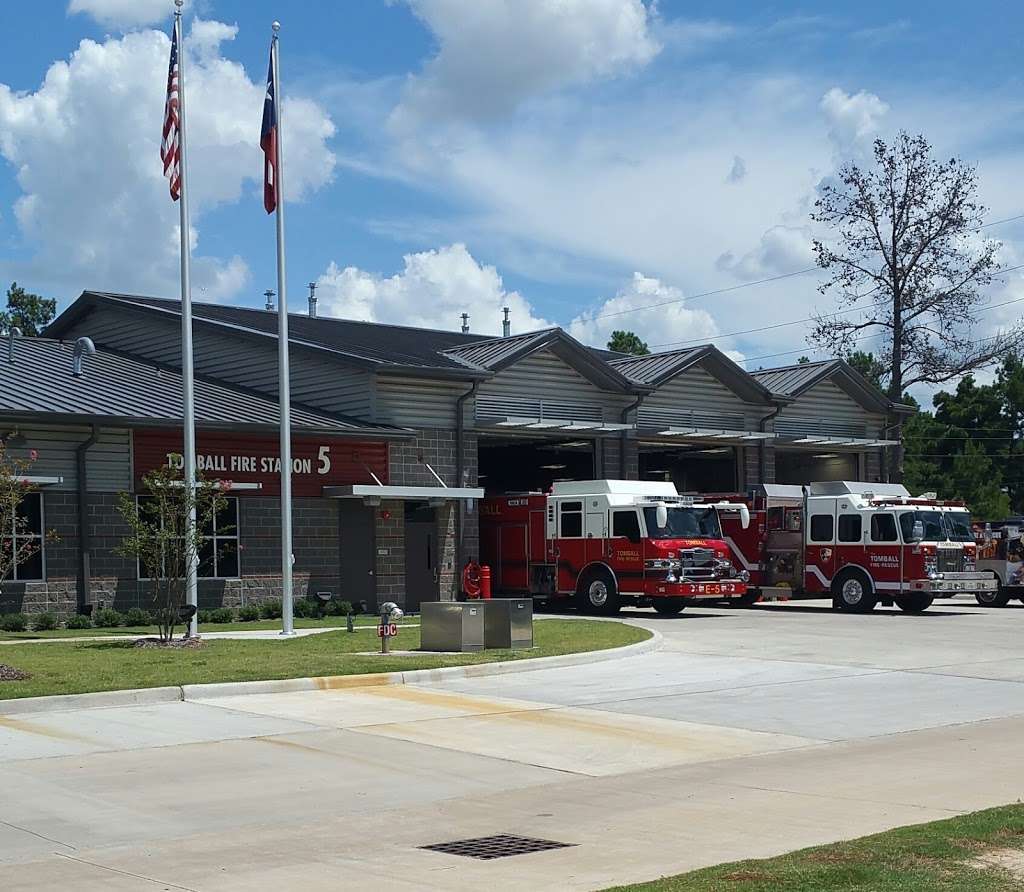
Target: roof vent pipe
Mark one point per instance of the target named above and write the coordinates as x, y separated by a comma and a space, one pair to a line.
269, 295
83, 347
12, 333
465, 323
312, 300
506, 325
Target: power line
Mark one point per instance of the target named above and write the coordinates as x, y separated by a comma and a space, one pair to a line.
798, 272
1007, 303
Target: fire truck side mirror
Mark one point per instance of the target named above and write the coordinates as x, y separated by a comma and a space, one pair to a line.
918, 530
744, 516
661, 516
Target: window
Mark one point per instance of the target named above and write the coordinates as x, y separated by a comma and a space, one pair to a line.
931, 526
821, 527
883, 528
572, 519
849, 528
626, 524
26, 536
684, 523
218, 555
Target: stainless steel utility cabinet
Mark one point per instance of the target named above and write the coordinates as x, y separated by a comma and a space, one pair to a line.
451, 626
508, 623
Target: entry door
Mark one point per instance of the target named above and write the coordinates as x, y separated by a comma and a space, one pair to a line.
358, 582
421, 571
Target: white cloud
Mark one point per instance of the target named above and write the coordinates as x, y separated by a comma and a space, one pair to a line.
432, 291
853, 119
663, 326
738, 170
85, 148
782, 249
493, 54
124, 13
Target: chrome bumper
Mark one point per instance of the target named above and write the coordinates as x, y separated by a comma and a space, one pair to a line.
963, 582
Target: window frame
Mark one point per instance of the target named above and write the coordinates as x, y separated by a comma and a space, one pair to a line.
831, 529
572, 509
636, 518
215, 537
14, 536
895, 528
841, 532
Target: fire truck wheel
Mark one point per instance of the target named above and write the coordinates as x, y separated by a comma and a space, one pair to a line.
598, 594
992, 599
668, 606
916, 603
852, 592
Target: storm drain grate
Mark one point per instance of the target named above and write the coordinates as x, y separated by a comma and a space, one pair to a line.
486, 848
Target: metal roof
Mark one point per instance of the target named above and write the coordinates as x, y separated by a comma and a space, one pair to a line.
656, 367
117, 387
791, 381
490, 353
373, 344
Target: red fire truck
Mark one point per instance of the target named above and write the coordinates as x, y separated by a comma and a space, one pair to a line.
859, 543
610, 542
1001, 554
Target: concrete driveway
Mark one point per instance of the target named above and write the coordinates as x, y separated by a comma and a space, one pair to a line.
749, 733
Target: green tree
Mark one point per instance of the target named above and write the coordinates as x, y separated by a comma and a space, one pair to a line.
26, 311
804, 360
13, 549
627, 342
869, 366
1010, 384
158, 536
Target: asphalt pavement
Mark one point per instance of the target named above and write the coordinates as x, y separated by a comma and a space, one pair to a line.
749, 733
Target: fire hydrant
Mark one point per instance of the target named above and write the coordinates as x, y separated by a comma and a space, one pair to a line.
389, 611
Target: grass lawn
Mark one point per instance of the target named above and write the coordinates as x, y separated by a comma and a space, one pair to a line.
328, 622
944, 855
75, 668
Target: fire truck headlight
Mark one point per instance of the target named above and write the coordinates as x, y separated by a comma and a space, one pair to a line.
969, 564
671, 578
744, 576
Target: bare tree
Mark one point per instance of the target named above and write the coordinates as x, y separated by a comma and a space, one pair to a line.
907, 254
158, 535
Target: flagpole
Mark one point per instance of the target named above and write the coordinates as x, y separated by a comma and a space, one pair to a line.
187, 379
284, 386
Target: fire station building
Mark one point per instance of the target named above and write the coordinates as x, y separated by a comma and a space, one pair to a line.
397, 432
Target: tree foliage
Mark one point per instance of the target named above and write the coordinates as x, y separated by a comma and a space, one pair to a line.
27, 312
870, 366
627, 342
972, 445
905, 255
159, 539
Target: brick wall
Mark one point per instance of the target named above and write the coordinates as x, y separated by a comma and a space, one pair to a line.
390, 536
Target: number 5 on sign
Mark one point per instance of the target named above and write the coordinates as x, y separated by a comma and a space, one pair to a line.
324, 460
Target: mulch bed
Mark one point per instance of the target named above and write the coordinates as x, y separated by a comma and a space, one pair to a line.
10, 673
176, 644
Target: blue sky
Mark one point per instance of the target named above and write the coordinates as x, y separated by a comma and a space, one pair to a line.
452, 155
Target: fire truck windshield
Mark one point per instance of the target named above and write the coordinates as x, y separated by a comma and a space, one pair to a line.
684, 523
938, 526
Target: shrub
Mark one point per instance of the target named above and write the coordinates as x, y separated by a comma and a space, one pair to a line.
14, 622
222, 615
270, 610
107, 618
306, 608
338, 608
136, 616
44, 622
204, 616
249, 613
78, 621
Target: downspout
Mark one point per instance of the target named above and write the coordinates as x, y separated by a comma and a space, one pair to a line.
632, 407
84, 535
460, 463
762, 449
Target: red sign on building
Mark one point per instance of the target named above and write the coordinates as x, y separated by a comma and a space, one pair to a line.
316, 461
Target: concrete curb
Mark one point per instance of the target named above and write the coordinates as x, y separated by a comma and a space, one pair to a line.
97, 700
144, 696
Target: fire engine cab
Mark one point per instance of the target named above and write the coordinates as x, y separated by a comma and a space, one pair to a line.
858, 543
1001, 555
609, 542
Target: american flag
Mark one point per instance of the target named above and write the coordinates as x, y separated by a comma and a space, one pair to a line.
268, 141
170, 145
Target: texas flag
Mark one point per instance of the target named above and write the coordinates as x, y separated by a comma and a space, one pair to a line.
268, 142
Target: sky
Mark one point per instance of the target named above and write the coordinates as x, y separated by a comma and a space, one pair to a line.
595, 164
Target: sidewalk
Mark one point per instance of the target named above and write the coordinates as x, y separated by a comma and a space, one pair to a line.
239, 635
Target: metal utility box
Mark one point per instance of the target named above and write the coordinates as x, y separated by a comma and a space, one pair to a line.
452, 626
508, 623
